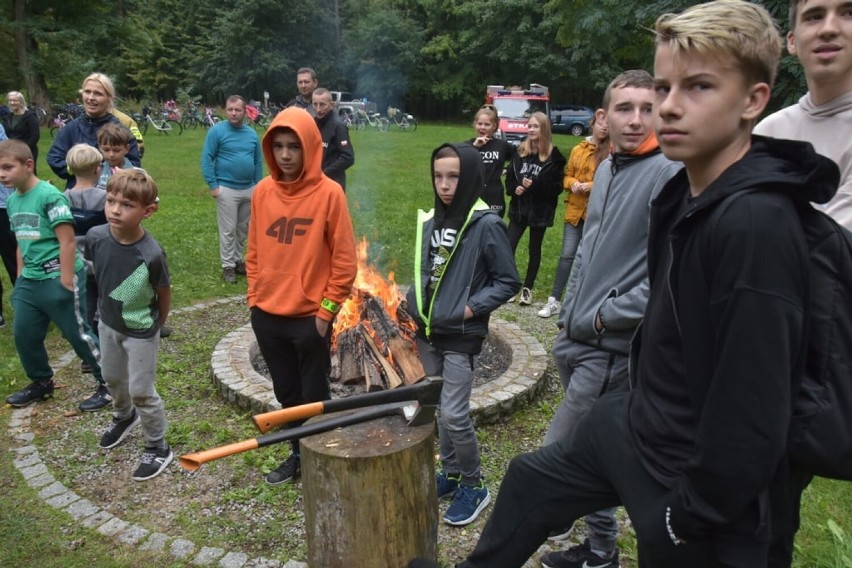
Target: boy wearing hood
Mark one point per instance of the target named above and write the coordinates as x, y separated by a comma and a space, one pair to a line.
300, 266
464, 270
694, 449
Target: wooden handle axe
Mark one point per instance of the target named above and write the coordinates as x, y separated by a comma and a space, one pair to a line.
426, 392
415, 414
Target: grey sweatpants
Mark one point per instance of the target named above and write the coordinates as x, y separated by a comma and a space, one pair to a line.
586, 374
233, 210
129, 365
456, 437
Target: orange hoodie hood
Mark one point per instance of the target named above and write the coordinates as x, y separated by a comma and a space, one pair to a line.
306, 130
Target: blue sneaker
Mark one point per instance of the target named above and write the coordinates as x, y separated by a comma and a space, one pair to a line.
447, 484
467, 504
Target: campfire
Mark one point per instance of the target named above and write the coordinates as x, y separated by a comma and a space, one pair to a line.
373, 340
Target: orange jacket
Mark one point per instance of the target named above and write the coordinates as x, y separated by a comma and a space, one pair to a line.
580, 168
301, 248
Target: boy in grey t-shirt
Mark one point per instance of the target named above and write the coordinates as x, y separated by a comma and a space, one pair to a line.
134, 299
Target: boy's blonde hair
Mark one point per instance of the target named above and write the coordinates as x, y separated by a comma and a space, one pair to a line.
83, 159
134, 184
114, 134
16, 150
632, 78
733, 30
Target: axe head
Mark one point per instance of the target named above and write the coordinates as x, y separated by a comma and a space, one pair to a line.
428, 396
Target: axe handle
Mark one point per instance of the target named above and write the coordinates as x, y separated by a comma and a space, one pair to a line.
192, 462
268, 420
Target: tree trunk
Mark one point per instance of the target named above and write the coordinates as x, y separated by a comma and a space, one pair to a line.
35, 85
369, 494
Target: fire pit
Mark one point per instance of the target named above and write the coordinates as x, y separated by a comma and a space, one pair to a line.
373, 348
240, 383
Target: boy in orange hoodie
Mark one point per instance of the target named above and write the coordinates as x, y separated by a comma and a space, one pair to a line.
300, 266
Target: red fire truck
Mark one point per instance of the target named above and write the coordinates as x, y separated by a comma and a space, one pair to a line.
515, 105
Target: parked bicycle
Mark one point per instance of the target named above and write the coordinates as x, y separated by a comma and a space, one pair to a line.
62, 115
192, 118
210, 118
164, 124
403, 120
375, 120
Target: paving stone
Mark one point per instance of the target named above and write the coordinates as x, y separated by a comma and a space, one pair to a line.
41, 480
54, 488
133, 534
295, 564
33, 471
113, 526
82, 509
264, 563
62, 500
181, 548
23, 450
233, 560
156, 542
97, 519
207, 556
25, 437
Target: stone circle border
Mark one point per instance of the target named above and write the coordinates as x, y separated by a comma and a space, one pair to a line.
241, 385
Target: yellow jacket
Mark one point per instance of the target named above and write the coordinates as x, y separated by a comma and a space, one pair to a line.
580, 168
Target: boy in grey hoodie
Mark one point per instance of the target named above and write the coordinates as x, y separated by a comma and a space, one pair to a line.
608, 287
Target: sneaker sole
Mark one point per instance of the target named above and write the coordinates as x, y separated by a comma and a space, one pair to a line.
292, 479
124, 434
471, 518
159, 471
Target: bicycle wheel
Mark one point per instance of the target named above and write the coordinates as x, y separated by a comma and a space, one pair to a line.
412, 125
53, 130
384, 124
189, 122
360, 124
174, 126
143, 126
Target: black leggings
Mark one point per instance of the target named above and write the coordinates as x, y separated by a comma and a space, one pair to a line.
8, 251
516, 231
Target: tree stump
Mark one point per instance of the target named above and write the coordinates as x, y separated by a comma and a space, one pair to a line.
370, 496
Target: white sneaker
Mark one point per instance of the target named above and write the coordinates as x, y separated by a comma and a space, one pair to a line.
549, 309
526, 297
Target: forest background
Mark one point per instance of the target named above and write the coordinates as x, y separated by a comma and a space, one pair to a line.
432, 58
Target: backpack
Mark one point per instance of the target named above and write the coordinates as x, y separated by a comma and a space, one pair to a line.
821, 430
85, 219
820, 435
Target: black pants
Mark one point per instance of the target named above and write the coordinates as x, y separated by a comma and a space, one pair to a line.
8, 251
297, 356
516, 231
595, 469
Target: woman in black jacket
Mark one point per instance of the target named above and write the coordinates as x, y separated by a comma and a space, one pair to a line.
22, 123
534, 183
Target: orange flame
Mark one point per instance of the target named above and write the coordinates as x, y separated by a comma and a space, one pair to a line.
368, 283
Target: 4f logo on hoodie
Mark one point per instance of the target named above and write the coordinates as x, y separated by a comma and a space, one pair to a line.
285, 229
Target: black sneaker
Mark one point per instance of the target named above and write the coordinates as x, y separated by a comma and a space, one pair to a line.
240, 268
228, 275
118, 430
580, 556
154, 461
165, 331
100, 399
289, 470
36, 390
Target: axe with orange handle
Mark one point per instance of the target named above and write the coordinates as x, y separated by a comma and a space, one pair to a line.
426, 393
415, 414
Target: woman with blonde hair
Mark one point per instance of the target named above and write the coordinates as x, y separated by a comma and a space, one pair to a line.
494, 153
98, 96
534, 183
22, 123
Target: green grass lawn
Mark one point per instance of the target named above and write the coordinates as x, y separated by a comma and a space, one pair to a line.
388, 183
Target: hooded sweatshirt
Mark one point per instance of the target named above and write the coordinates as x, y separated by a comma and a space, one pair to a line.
722, 345
462, 258
301, 258
828, 128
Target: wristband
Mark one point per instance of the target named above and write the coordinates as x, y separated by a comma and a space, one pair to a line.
327, 304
